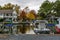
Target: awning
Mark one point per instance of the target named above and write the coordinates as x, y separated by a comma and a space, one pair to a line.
49, 25
9, 25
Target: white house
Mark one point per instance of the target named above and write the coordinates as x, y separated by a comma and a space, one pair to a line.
8, 16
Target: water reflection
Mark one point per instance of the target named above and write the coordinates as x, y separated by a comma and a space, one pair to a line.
24, 27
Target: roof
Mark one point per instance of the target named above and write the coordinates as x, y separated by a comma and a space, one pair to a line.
6, 11
41, 21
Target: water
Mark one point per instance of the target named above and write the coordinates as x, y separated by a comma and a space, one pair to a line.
32, 37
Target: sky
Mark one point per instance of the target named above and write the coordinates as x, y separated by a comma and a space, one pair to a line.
32, 4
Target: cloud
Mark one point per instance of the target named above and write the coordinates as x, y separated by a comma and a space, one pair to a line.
32, 4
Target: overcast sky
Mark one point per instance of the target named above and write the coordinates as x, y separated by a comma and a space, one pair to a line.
32, 4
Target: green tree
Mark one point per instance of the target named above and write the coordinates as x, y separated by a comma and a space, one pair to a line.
17, 8
8, 6
11, 6
45, 8
57, 8
0, 7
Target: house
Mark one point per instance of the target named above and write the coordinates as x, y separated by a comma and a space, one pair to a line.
40, 27
9, 17
40, 23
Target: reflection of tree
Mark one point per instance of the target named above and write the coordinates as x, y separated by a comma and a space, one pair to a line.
24, 27
1, 20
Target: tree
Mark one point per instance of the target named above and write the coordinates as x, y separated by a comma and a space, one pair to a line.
8, 6
26, 9
45, 9
17, 8
57, 8
31, 15
42, 16
23, 15
0, 7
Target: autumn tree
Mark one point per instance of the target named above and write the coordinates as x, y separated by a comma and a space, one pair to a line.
31, 15
23, 15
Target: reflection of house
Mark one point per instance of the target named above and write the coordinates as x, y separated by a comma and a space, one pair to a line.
24, 26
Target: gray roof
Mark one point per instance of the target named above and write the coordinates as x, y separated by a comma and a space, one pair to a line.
6, 11
41, 21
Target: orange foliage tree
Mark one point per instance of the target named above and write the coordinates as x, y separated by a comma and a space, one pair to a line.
31, 15
23, 15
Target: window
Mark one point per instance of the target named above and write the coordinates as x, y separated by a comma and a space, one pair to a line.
14, 14
1, 14
8, 19
8, 14
57, 22
14, 19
